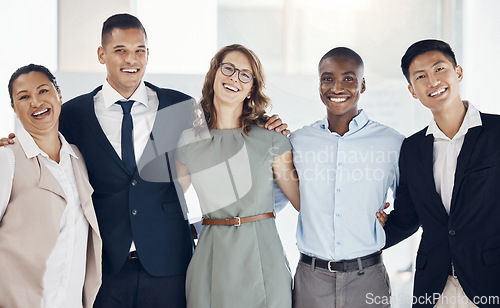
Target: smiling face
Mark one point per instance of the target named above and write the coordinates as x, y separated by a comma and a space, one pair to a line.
341, 84
229, 89
125, 55
434, 80
37, 103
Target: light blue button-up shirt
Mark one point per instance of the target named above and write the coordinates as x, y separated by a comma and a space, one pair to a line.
343, 183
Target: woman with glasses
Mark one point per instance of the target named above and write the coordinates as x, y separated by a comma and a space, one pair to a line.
231, 159
50, 248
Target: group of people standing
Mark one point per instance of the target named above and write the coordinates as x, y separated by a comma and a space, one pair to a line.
112, 232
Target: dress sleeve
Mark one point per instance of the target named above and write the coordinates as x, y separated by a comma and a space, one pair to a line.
7, 165
281, 144
180, 152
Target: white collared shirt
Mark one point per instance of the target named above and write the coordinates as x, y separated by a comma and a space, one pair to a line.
65, 274
110, 115
446, 153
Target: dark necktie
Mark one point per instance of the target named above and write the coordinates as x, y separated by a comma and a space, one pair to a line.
128, 156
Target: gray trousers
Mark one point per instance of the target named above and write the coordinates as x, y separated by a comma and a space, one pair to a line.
316, 287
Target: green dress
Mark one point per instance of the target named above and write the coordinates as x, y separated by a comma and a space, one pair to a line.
232, 266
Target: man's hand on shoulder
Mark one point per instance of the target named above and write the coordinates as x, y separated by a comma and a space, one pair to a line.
274, 122
8, 140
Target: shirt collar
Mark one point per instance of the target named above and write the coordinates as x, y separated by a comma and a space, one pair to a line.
31, 149
111, 96
356, 123
472, 119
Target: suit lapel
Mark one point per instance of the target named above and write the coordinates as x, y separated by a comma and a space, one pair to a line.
427, 156
48, 181
463, 160
85, 191
96, 130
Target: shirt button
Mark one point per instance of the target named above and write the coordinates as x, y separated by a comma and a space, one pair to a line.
134, 212
337, 215
339, 190
451, 232
338, 243
339, 164
134, 183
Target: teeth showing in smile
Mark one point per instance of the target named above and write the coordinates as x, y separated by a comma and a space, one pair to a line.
36, 114
338, 100
437, 92
231, 88
129, 70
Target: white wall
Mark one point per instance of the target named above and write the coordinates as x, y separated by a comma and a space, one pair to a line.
481, 62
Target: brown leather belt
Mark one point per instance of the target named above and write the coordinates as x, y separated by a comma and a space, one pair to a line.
237, 221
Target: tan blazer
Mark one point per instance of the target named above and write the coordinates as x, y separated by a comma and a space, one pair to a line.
30, 228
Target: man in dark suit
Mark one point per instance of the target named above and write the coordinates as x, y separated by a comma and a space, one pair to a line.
448, 185
147, 242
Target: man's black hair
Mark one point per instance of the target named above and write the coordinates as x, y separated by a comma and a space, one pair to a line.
421, 47
121, 21
344, 52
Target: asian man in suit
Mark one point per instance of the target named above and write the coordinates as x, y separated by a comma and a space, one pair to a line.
449, 181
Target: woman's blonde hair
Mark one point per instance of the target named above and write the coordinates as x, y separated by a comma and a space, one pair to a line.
254, 108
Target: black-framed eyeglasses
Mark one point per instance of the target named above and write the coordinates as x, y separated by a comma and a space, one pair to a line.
228, 69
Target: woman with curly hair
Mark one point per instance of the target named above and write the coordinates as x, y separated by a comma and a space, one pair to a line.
239, 260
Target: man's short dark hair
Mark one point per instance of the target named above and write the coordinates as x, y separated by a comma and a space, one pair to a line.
26, 70
343, 52
121, 21
421, 47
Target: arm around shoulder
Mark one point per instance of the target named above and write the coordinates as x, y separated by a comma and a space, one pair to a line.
286, 177
403, 221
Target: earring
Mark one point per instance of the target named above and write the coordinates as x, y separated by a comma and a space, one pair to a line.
248, 97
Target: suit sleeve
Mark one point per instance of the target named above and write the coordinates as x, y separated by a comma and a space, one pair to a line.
403, 221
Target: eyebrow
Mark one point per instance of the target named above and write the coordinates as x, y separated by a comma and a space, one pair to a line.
43, 84
421, 71
122, 46
343, 74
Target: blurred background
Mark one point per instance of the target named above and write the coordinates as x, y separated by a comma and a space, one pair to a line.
289, 36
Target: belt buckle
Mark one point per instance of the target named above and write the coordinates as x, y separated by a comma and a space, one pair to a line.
239, 221
329, 267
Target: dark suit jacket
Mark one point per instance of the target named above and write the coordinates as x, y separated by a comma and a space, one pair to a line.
143, 206
470, 235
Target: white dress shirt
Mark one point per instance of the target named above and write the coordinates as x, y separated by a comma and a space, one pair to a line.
446, 153
110, 115
65, 274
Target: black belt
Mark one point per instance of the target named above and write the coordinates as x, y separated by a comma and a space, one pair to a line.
346, 265
133, 255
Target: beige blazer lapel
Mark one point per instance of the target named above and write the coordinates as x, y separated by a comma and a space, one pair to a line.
94, 245
48, 181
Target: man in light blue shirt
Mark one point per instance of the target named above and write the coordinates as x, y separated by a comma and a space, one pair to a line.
346, 163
